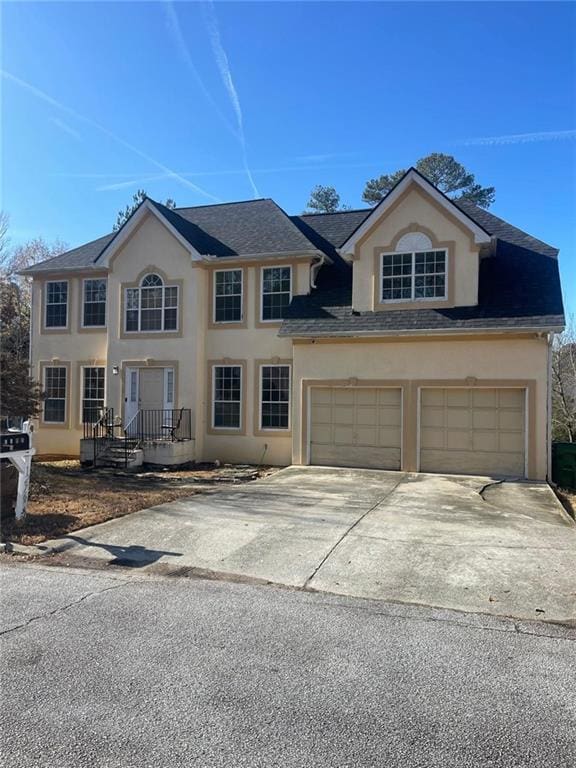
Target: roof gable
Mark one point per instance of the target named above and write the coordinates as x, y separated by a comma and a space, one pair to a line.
412, 178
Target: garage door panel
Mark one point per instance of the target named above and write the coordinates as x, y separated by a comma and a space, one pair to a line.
473, 431
458, 418
512, 398
356, 427
485, 418
321, 396
433, 397
484, 398
457, 398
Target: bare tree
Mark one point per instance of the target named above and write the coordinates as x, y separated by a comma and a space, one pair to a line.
564, 385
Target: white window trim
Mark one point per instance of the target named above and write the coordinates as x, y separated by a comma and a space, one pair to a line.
56, 327
159, 330
213, 409
228, 322
169, 404
413, 299
65, 398
260, 401
84, 281
275, 266
82, 382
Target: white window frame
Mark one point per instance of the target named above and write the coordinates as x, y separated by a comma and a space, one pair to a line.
87, 280
65, 398
56, 327
82, 386
213, 397
162, 309
412, 277
261, 402
169, 373
228, 322
262, 270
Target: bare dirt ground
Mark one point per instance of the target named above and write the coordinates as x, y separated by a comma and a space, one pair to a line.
64, 497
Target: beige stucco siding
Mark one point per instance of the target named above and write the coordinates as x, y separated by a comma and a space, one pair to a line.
414, 364
417, 212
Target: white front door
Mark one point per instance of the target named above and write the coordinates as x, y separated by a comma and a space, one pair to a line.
148, 389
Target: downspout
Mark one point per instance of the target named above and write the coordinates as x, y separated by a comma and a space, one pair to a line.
315, 268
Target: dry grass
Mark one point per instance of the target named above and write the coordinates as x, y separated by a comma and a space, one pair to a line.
64, 497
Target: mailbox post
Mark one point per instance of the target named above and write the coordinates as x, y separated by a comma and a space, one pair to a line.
18, 449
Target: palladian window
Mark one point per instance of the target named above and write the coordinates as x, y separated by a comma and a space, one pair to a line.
153, 306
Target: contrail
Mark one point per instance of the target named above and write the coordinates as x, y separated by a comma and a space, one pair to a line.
226, 74
176, 29
520, 138
70, 111
65, 127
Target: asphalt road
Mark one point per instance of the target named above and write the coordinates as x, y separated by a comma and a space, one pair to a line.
116, 668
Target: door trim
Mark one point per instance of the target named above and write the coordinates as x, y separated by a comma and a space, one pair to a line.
148, 363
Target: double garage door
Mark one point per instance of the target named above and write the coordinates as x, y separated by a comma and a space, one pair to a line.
462, 430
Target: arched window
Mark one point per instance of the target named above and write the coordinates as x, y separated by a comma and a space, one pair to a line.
416, 271
152, 307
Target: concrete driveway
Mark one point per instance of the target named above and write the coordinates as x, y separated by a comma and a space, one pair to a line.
449, 541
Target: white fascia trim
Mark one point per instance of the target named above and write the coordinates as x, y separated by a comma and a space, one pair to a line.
480, 236
422, 332
128, 228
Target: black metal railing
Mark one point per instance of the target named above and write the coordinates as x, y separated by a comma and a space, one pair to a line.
171, 425
99, 425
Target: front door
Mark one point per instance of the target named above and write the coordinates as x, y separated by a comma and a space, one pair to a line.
151, 389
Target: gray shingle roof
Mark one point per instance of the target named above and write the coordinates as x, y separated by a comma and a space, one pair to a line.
229, 229
519, 286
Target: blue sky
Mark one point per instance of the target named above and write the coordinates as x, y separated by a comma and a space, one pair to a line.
207, 102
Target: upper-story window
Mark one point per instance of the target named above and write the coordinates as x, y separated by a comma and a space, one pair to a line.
152, 306
228, 296
94, 303
415, 276
56, 304
276, 292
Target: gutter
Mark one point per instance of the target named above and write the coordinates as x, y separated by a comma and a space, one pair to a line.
315, 268
272, 255
421, 332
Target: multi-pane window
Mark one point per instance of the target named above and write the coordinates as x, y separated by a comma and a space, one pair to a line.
227, 396
274, 396
413, 276
55, 386
92, 394
276, 291
56, 304
228, 296
94, 308
152, 306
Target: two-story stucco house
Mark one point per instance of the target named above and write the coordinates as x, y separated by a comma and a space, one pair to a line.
414, 335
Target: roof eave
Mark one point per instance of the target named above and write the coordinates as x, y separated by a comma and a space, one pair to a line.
424, 332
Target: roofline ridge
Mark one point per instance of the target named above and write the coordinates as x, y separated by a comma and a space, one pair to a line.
217, 205
332, 213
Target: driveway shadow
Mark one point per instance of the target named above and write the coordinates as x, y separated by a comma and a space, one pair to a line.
133, 556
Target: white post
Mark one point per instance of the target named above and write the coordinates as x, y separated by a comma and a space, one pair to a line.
22, 460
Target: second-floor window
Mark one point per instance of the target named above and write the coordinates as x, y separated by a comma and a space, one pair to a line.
413, 276
152, 306
56, 304
94, 303
276, 292
228, 296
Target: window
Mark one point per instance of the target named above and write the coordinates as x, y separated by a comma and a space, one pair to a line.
56, 304
152, 306
169, 386
55, 395
227, 396
92, 394
274, 397
413, 276
94, 310
276, 291
228, 296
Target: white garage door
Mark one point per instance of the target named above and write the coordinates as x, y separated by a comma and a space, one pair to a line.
356, 427
473, 431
